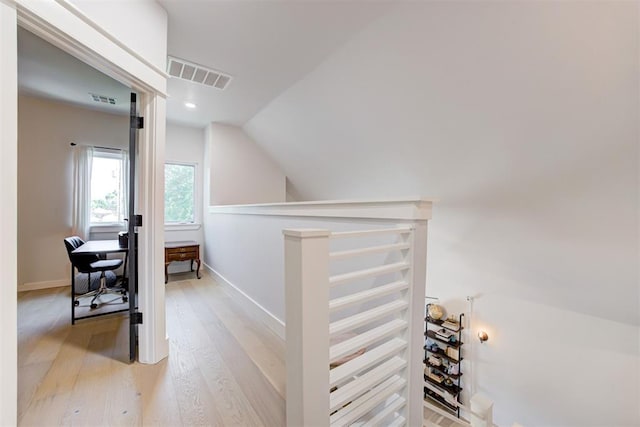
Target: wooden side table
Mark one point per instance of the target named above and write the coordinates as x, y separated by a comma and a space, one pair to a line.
181, 251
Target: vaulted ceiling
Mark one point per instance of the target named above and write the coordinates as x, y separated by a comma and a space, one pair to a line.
265, 46
520, 117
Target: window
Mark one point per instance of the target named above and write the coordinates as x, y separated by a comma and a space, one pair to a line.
108, 204
179, 193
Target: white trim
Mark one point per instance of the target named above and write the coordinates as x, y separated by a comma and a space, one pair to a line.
8, 213
410, 209
47, 284
179, 162
65, 26
77, 12
306, 233
182, 227
272, 322
110, 228
153, 343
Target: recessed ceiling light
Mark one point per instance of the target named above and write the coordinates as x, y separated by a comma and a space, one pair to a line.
190, 105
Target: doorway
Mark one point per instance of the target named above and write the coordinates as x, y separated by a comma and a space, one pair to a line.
67, 28
82, 114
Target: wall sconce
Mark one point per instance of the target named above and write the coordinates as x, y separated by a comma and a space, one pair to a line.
482, 336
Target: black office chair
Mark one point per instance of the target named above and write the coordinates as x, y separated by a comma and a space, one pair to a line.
92, 264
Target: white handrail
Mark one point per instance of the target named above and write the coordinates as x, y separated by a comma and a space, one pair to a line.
361, 233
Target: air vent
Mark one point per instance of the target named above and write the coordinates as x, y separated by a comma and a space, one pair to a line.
103, 99
185, 70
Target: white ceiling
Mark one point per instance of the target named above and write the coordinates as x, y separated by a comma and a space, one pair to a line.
46, 71
266, 46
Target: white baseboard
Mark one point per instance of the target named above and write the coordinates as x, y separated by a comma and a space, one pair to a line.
275, 324
34, 286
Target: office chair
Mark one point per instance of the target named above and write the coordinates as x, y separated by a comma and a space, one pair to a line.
91, 263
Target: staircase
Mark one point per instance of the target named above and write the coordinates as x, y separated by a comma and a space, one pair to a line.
354, 326
354, 313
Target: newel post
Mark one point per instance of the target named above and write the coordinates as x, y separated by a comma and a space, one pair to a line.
416, 314
306, 254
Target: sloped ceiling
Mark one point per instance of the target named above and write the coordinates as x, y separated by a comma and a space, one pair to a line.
266, 46
521, 119
529, 129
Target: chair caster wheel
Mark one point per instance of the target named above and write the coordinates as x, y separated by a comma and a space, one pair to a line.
76, 303
125, 299
94, 306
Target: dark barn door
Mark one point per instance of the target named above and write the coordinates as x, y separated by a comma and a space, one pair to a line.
134, 222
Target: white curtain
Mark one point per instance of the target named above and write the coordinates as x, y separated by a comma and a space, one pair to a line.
81, 216
124, 183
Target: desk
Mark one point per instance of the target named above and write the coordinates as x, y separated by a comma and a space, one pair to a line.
181, 251
100, 248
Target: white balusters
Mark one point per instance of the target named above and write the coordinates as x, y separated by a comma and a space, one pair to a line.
369, 332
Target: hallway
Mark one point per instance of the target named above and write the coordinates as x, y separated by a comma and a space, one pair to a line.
224, 367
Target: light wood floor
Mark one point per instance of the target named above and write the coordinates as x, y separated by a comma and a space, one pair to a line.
433, 419
224, 367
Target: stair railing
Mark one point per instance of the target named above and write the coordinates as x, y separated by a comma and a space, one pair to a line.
354, 325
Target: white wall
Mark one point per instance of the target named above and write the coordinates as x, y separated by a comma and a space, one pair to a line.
8, 213
245, 244
186, 145
240, 171
45, 179
522, 119
141, 24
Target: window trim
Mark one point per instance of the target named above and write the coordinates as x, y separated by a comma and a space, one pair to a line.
107, 227
182, 227
193, 224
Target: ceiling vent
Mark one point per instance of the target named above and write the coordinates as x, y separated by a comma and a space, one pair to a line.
103, 99
195, 73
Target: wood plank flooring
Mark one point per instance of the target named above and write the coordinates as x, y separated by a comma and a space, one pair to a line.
224, 367
433, 419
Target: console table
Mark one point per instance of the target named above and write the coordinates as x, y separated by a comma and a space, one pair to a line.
181, 251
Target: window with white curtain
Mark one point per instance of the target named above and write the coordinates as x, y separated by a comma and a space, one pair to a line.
100, 188
108, 187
